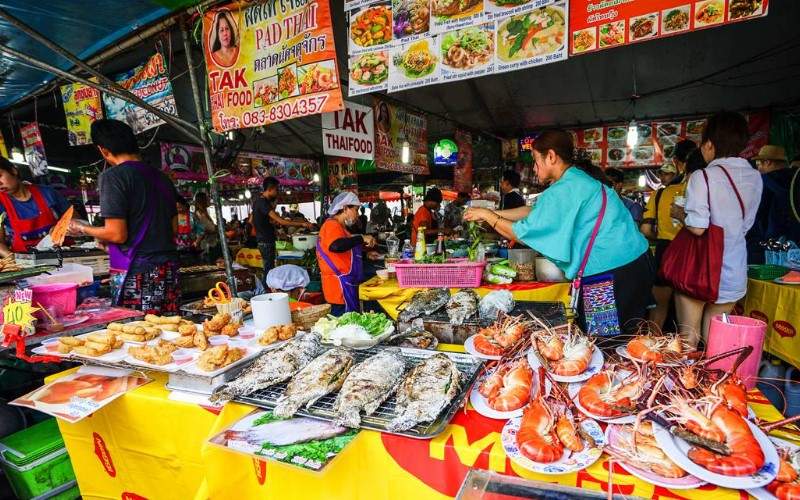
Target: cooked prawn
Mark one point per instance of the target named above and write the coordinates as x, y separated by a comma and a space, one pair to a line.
567, 432
640, 450
508, 388
577, 355
785, 485
733, 392
746, 457
537, 438
552, 348
501, 336
603, 393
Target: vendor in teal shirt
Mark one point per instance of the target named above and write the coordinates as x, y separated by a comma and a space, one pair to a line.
560, 225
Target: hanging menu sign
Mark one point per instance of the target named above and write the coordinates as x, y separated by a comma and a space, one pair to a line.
81, 107
496, 9
414, 65
342, 175
600, 24
369, 73
270, 61
467, 53
395, 126
532, 39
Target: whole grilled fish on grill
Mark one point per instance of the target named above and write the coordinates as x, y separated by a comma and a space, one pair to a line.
368, 385
425, 392
425, 302
462, 306
271, 367
326, 373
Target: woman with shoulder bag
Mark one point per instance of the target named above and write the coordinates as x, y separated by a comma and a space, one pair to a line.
707, 261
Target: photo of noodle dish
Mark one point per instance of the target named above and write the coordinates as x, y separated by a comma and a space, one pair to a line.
417, 62
677, 19
411, 17
644, 27
584, 40
530, 35
468, 49
370, 69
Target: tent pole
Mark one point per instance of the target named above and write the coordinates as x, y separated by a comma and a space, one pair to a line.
107, 82
126, 96
206, 143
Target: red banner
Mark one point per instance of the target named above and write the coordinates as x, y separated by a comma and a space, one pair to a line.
601, 24
463, 170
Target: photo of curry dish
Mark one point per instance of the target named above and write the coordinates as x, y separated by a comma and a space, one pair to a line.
530, 35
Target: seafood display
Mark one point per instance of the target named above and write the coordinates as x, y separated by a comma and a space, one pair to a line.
508, 387
271, 367
286, 432
462, 306
637, 447
370, 69
368, 385
657, 348
610, 394
425, 302
534, 34
563, 351
415, 337
501, 336
372, 26
324, 374
425, 392
468, 48
411, 17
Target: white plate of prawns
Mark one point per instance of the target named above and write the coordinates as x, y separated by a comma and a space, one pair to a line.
513, 391
594, 366
786, 484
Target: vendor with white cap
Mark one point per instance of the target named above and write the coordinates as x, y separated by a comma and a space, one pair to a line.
339, 254
289, 279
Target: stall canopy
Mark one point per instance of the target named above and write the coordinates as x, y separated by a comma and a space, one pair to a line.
744, 66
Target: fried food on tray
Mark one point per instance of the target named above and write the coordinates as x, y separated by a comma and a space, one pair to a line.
231, 329
132, 329
189, 329
88, 351
71, 341
154, 355
209, 302
162, 320
186, 341
64, 348
217, 323
285, 332
200, 341
270, 336
219, 357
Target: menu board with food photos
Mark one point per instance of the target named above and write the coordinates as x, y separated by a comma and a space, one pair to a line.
599, 25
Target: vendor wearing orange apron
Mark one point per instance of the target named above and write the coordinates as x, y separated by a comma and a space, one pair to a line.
30, 211
339, 255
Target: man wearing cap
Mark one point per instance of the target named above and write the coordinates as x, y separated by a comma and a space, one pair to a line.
339, 254
427, 217
775, 216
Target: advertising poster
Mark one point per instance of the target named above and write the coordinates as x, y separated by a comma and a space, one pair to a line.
342, 175
350, 132
149, 82
77, 395
532, 39
270, 61
598, 25
758, 125
289, 171
369, 73
467, 53
393, 127
463, 171
415, 65
185, 161
34, 149
82, 107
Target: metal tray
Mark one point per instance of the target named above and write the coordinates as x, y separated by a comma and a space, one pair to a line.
197, 308
469, 367
552, 313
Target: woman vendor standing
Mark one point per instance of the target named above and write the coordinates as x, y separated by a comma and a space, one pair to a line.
30, 211
563, 222
339, 254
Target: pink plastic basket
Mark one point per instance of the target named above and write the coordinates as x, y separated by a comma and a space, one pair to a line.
458, 274
62, 296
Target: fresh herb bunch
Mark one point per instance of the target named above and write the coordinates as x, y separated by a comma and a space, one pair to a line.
374, 323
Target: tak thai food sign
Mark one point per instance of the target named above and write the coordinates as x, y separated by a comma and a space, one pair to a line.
270, 61
601, 24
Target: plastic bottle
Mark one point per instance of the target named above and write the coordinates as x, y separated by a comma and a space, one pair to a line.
440, 244
419, 250
393, 245
408, 250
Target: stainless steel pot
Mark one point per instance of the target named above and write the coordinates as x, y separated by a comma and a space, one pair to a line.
548, 272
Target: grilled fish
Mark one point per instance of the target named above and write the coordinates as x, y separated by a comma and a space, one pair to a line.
425, 392
272, 367
462, 306
326, 373
284, 432
425, 302
368, 385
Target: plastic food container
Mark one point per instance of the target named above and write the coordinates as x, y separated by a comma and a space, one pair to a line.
182, 356
218, 340
247, 332
69, 273
382, 274
51, 344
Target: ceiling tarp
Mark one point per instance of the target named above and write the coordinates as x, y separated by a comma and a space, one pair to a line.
83, 27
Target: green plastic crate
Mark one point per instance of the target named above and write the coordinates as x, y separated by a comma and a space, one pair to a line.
766, 272
37, 464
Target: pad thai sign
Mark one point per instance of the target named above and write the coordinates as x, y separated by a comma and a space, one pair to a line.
394, 126
81, 107
600, 24
270, 61
349, 133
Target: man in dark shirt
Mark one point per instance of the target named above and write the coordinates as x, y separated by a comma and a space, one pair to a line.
264, 218
137, 202
509, 186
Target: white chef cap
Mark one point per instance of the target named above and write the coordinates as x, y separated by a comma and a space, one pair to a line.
342, 200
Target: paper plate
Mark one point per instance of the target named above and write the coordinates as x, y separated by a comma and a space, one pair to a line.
570, 462
762, 493
614, 433
676, 449
469, 346
595, 365
573, 391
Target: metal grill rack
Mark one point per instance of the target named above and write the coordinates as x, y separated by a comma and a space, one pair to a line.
552, 313
469, 367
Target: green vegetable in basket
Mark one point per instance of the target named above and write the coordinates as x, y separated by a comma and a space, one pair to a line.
374, 323
502, 269
431, 259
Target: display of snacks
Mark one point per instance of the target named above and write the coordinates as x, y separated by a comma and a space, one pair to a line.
219, 357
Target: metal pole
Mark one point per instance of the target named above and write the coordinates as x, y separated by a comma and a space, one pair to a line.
110, 84
125, 95
206, 143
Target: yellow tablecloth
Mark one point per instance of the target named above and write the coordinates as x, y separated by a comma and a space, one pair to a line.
779, 307
390, 296
145, 446
249, 257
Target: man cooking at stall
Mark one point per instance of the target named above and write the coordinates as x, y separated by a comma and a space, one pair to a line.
427, 217
339, 254
28, 212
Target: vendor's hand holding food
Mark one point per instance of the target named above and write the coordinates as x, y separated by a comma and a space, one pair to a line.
75, 227
369, 241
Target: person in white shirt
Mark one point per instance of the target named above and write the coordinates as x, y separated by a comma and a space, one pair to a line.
734, 204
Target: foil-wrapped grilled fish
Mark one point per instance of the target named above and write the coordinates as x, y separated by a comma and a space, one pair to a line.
425, 392
325, 374
368, 385
462, 306
272, 367
425, 302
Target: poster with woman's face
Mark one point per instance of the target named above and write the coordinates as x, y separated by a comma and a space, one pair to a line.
223, 42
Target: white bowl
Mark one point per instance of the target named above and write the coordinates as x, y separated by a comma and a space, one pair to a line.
367, 343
